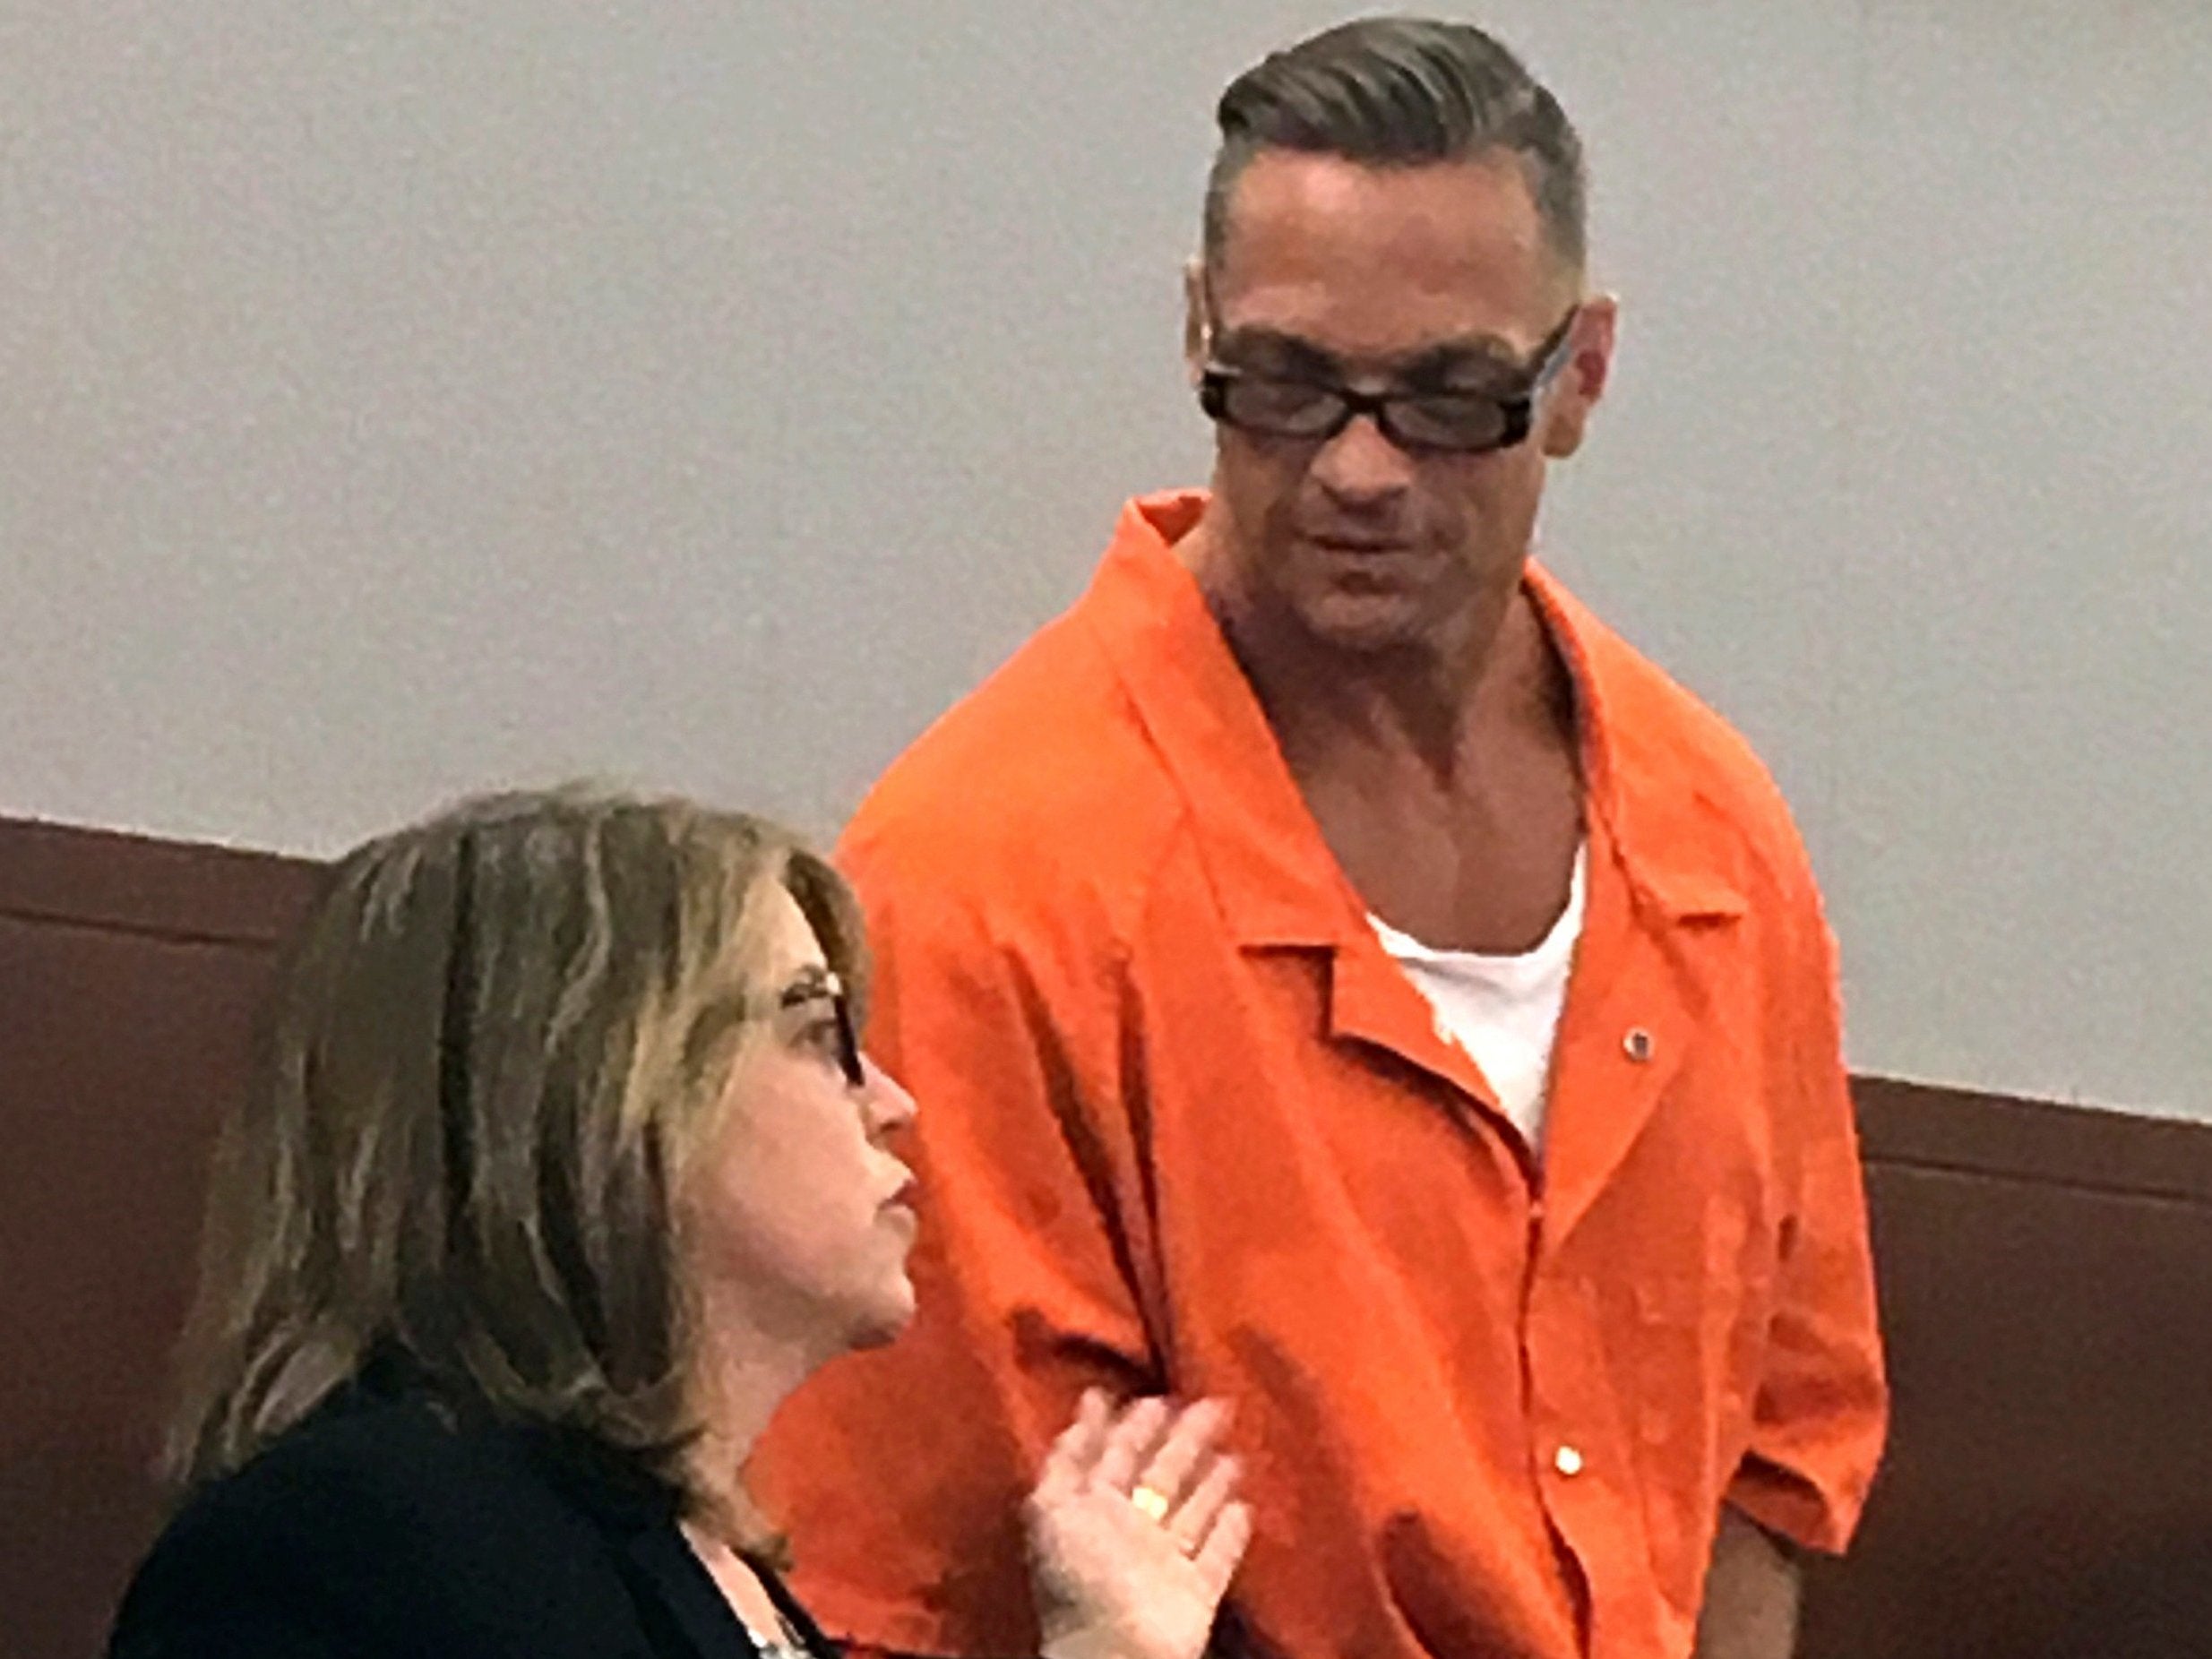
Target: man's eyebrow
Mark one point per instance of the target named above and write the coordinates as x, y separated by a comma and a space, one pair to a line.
1273, 343
1494, 357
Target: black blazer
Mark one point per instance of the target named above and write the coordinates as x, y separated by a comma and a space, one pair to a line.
376, 1530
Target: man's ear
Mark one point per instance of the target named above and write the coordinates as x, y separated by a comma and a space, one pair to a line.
1582, 382
1195, 321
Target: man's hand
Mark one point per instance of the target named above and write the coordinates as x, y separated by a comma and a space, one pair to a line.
1134, 1533
1750, 1594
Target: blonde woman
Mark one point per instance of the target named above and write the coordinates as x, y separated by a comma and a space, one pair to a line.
567, 1168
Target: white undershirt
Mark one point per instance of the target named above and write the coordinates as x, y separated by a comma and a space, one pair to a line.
1501, 1009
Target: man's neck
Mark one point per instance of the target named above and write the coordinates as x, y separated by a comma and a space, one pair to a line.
1424, 704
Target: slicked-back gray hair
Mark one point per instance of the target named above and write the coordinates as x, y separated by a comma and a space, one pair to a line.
1402, 92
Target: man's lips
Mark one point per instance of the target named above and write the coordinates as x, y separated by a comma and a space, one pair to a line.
1360, 546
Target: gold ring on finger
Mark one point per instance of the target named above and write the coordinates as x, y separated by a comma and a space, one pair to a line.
1151, 1503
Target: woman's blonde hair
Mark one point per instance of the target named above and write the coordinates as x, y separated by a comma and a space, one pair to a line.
491, 1047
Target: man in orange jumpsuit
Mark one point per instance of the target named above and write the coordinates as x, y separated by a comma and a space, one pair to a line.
1341, 977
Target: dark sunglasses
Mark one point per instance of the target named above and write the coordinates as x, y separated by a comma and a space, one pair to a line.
1314, 411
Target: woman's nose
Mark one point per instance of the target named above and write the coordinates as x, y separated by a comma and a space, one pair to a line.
890, 1106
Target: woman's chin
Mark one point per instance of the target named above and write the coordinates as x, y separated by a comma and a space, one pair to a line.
885, 1320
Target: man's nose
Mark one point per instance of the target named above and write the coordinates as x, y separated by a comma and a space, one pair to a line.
1360, 466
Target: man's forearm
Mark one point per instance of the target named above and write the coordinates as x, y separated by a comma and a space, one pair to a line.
1752, 1593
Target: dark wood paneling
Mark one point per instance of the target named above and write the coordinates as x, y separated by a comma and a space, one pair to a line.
2046, 1294
1923, 1127
131, 977
137, 884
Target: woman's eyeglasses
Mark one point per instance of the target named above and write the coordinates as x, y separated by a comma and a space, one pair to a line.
827, 987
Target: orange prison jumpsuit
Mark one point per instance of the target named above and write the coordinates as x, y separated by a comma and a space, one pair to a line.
1183, 1126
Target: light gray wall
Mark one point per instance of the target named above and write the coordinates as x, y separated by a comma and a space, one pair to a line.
394, 402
